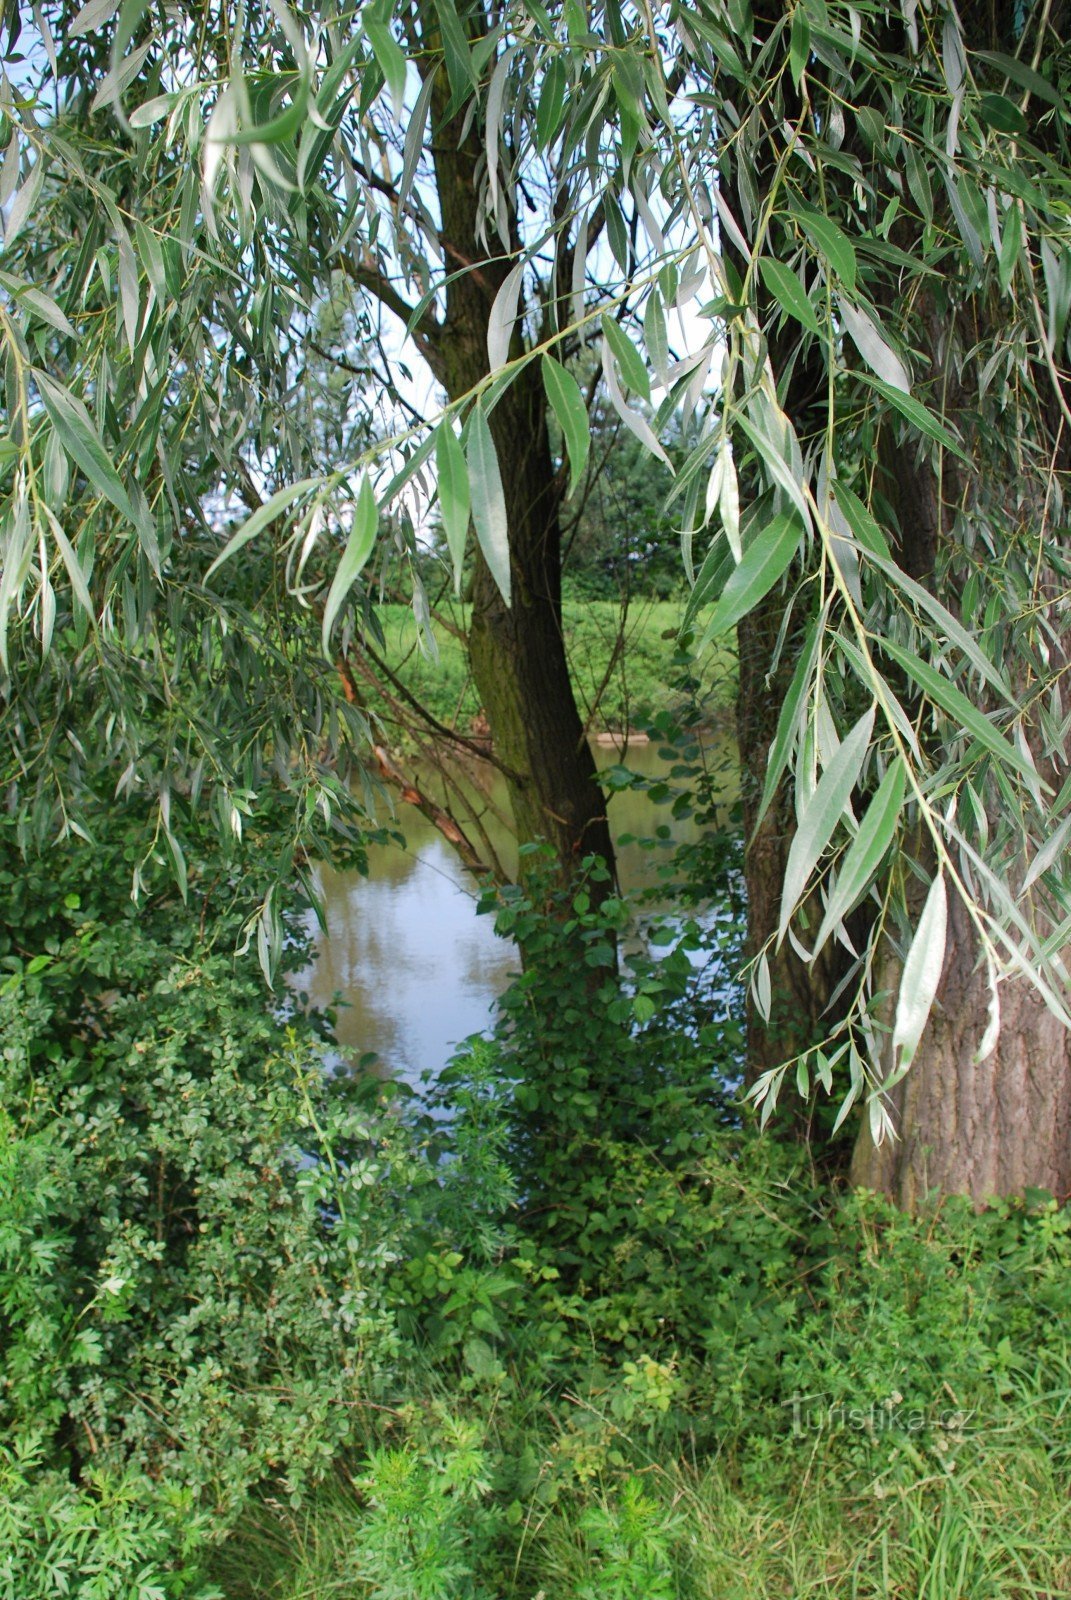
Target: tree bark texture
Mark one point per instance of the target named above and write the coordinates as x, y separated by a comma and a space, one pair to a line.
996, 1127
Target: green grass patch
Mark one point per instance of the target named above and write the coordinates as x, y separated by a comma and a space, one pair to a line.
622, 663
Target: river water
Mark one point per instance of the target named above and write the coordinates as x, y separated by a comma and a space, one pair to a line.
415, 968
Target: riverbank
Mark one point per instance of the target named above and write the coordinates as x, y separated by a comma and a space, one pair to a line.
622, 664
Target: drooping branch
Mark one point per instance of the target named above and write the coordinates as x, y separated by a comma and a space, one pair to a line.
410, 791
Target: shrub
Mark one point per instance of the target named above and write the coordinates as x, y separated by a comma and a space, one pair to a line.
196, 1224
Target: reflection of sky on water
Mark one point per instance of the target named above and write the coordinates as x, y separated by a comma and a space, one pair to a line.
416, 968
405, 948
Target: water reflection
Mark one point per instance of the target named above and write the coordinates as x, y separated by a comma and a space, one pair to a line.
416, 969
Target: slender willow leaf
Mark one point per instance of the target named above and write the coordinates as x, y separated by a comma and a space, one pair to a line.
390, 58
862, 524
921, 974
867, 849
80, 439
455, 503
414, 137
260, 519
459, 65
1020, 73
551, 108
872, 347
788, 291
1051, 851
280, 129
568, 406
633, 420
359, 547
780, 468
788, 722
503, 317
72, 564
718, 565
821, 814
953, 630
917, 414
764, 563
628, 358
654, 333
834, 247
488, 501
960, 709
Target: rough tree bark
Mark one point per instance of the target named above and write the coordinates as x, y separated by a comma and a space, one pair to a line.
997, 1127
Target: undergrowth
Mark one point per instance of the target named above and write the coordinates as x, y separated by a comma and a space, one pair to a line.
573, 1330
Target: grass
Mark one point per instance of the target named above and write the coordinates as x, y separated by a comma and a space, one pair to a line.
615, 688
934, 1466
998, 1527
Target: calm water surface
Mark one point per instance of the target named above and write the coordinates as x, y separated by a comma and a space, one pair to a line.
415, 968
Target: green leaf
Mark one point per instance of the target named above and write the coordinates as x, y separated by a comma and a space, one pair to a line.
718, 565
390, 59
789, 292
878, 355
655, 337
789, 719
283, 127
920, 416
551, 108
1052, 850
799, 46
42, 305
833, 246
953, 630
455, 505
359, 547
1020, 73
1001, 114
459, 64
765, 562
413, 148
503, 317
83, 444
867, 849
1010, 247
568, 406
488, 501
628, 358
921, 974
822, 813
962, 711
862, 523
71, 562
779, 465
273, 507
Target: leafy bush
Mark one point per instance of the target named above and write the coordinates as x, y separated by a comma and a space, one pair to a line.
196, 1224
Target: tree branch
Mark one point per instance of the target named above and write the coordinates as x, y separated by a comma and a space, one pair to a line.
365, 276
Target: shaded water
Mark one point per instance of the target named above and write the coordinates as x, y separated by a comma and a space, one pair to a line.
416, 969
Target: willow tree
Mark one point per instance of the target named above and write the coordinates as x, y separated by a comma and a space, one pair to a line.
828, 244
